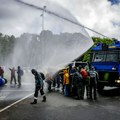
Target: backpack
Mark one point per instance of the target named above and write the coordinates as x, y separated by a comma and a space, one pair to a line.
77, 79
42, 75
83, 73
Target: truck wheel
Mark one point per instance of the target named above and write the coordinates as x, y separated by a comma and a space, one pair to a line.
100, 87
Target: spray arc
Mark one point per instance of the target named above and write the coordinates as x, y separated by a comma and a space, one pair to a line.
63, 40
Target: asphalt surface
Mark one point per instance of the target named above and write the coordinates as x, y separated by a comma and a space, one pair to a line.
59, 107
10, 93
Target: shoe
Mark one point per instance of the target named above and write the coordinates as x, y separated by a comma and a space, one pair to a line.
19, 85
44, 99
91, 99
95, 98
76, 97
81, 98
88, 98
34, 102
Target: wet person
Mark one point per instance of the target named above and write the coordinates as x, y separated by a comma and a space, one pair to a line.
1, 72
66, 82
57, 80
38, 86
84, 74
13, 76
87, 83
19, 74
49, 81
77, 84
93, 83
61, 73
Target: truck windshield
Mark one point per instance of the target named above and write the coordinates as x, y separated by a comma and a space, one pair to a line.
107, 56
112, 57
99, 57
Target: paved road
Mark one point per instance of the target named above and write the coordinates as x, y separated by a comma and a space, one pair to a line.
59, 107
11, 93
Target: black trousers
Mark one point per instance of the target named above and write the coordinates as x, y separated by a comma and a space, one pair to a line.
37, 89
93, 87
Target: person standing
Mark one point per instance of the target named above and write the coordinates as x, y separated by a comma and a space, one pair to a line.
38, 86
66, 82
13, 76
49, 81
77, 84
93, 83
83, 72
19, 74
1, 72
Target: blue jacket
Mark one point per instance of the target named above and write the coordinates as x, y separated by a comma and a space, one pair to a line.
38, 80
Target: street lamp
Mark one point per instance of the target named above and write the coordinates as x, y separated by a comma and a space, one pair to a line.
43, 40
42, 15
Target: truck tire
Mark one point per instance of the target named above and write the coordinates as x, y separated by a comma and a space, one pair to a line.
100, 87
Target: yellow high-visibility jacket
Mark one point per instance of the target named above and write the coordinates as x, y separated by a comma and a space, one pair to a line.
66, 79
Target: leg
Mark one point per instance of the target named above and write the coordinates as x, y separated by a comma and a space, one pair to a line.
11, 80
95, 92
35, 95
81, 91
66, 89
14, 79
88, 88
49, 85
91, 85
19, 80
43, 94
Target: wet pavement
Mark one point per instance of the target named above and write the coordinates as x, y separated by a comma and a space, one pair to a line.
10, 93
59, 107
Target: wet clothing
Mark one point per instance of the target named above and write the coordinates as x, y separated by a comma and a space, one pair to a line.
49, 81
93, 84
13, 76
87, 85
66, 82
38, 87
38, 80
57, 80
19, 74
1, 72
77, 85
66, 78
84, 74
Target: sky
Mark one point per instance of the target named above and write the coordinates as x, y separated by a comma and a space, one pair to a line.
102, 16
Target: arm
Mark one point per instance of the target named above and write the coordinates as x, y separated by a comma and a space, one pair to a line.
10, 69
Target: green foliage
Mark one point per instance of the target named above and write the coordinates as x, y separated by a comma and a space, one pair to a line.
6, 46
96, 40
102, 40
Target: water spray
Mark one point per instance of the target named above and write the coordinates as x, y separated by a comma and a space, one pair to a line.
57, 15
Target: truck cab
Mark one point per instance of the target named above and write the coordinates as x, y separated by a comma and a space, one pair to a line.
106, 60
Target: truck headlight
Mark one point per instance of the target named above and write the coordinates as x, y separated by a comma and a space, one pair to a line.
113, 68
117, 81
